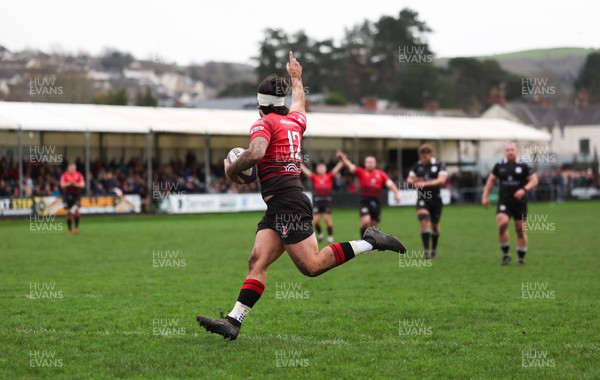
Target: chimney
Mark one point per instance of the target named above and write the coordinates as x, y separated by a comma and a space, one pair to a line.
582, 99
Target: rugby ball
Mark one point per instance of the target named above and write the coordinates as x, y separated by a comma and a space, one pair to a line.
247, 176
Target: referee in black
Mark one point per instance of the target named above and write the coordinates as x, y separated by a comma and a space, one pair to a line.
516, 180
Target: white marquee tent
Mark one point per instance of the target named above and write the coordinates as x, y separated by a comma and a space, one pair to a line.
87, 118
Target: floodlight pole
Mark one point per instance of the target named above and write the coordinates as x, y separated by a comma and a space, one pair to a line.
206, 161
478, 165
399, 160
20, 154
149, 162
356, 151
459, 156
86, 135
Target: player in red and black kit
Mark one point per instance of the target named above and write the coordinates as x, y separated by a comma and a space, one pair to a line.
275, 145
322, 199
372, 181
72, 182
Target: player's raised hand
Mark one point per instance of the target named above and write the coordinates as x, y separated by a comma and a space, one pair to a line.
340, 154
293, 67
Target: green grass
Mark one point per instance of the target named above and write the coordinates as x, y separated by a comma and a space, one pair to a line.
476, 323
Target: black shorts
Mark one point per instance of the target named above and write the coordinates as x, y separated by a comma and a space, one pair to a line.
433, 206
71, 200
514, 209
371, 207
290, 215
322, 205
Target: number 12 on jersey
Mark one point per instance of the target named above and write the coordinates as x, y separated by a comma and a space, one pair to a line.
292, 137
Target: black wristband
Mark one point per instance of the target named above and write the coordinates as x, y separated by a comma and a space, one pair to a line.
525, 190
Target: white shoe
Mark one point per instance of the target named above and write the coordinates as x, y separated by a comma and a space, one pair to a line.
330, 239
320, 238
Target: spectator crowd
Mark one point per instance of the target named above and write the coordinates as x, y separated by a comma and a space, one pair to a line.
187, 176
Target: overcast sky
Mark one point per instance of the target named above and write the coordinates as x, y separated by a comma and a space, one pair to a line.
199, 31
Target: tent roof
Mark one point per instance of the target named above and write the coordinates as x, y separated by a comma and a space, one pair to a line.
121, 119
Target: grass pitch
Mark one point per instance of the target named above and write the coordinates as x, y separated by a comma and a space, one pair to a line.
120, 300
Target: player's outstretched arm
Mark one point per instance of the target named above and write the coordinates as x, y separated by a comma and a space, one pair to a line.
246, 160
347, 163
392, 186
489, 185
295, 71
336, 169
306, 171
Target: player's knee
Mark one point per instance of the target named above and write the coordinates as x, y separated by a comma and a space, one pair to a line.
520, 232
307, 269
312, 271
502, 226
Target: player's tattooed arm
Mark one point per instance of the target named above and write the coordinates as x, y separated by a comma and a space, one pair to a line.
295, 71
489, 185
248, 159
344, 159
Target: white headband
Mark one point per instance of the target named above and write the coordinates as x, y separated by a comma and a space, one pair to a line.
270, 100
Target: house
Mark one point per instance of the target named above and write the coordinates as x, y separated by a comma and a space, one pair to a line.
575, 129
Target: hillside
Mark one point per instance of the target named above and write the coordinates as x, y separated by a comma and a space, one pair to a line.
564, 62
